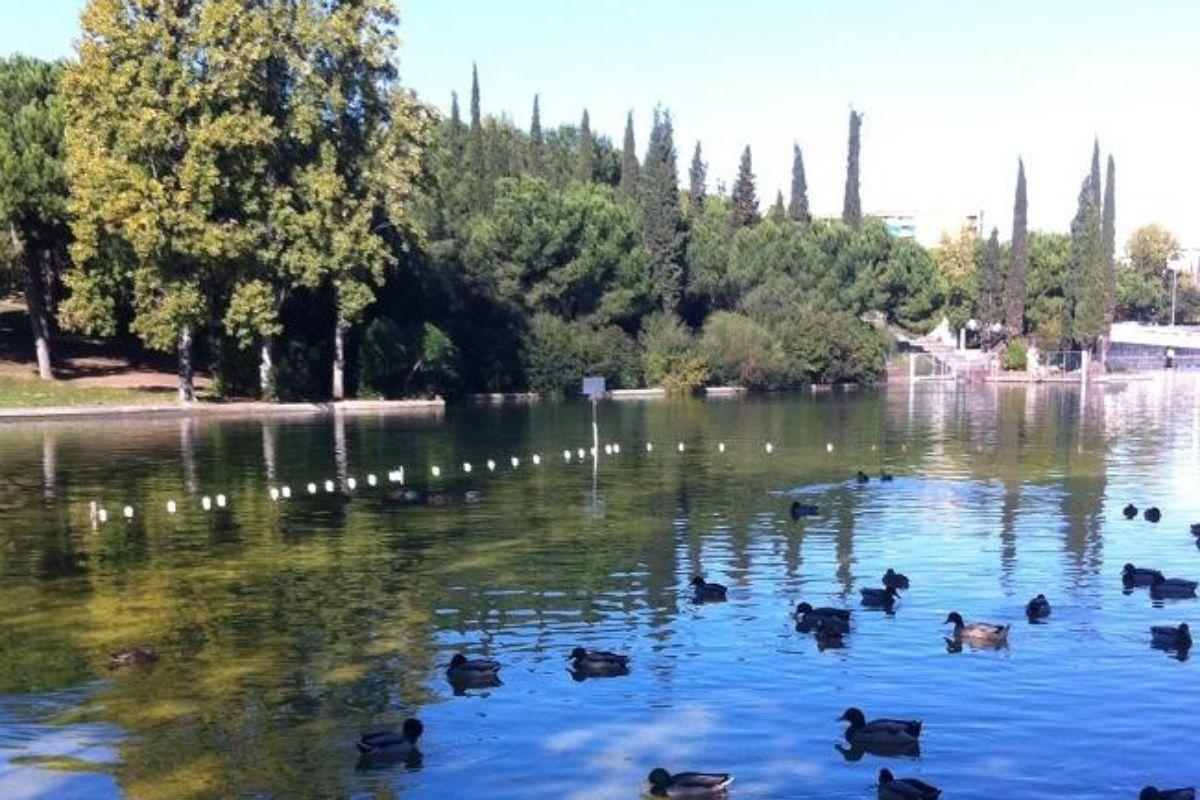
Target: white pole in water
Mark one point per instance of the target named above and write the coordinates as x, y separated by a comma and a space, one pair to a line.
595, 431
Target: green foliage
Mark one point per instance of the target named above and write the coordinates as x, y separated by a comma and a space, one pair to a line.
1016, 356
832, 348
989, 268
915, 291
697, 188
1086, 296
1015, 288
798, 205
559, 354
742, 352
851, 204
743, 199
1047, 282
662, 223
671, 356
253, 313
630, 168
955, 258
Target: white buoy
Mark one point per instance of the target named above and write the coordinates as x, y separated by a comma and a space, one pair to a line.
720, 447
274, 493
516, 462
617, 449
312, 488
102, 515
581, 452
220, 501
286, 492
329, 486
206, 502
536, 459
608, 449
466, 466
491, 465
649, 447
829, 447
681, 447
371, 479
435, 471
872, 448
566, 455
171, 507
128, 511
769, 447
351, 484
592, 452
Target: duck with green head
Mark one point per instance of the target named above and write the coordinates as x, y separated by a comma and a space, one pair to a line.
598, 663
384, 744
807, 617
688, 784
977, 632
893, 788
473, 671
887, 734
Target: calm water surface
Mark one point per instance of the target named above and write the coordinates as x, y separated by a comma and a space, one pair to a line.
286, 629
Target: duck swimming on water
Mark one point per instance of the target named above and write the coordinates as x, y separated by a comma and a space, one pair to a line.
893, 788
137, 656
808, 617
705, 592
1171, 637
688, 784
900, 734
598, 663
1037, 608
861, 477
879, 598
895, 580
1151, 793
392, 743
1138, 576
800, 510
473, 671
1152, 514
1130, 511
1172, 588
977, 632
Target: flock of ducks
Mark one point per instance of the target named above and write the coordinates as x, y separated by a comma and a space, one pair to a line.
828, 625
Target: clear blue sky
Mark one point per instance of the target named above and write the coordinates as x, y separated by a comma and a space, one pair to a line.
953, 92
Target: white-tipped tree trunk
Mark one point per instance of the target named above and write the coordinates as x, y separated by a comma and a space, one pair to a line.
339, 361
266, 369
187, 386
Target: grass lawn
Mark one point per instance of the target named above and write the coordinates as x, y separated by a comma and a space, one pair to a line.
21, 392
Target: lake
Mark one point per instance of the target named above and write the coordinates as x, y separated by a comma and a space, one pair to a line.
287, 628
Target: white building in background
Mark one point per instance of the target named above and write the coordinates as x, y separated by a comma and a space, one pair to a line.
927, 227
1186, 262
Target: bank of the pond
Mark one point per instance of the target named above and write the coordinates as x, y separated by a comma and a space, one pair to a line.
236, 409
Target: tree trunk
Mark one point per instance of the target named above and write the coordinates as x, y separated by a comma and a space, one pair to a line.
187, 387
35, 302
266, 369
339, 360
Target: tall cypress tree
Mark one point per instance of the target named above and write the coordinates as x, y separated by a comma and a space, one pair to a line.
1014, 288
851, 204
662, 223
744, 206
990, 276
1094, 174
585, 158
696, 183
456, 138
778, 212
537, 144
798, 205
1108, 233
476, 146
1086, 301
628, 186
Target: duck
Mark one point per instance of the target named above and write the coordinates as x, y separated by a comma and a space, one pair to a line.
1152, 514
1172, 587
879, 598
893, 788
1171, 637
886, 477
861, 477
392, 743
688, 784
1130, 511
800, 510
1138, 576
473, 670
881, 733
137, 656
827, 635
808, 617
1037, 608
1196, 529
704, 592
979, 632
895, 580
1152, 793
598, 663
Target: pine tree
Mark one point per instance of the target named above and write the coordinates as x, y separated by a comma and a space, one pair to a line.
778, 212
661, 221
696, 183
1014, 287
1108, 232
990, 275
744, 206
852, 205
537, 144
628, 186
1085, 298
585, 158
798, 205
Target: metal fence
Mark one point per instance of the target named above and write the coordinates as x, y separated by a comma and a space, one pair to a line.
1060, 362
1149, 363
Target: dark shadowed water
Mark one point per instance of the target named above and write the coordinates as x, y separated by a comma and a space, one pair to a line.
286, 629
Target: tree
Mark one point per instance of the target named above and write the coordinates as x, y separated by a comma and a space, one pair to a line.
1047, 281
696, 183
165, 142
661, 220
778, 213
1143, 282
537, 146
1086, 298
1014, 284
851, 205
798, 205
476, 151
33, 188
955, 258
585, 159
990, 277
1108, 233
629, 162
745, 203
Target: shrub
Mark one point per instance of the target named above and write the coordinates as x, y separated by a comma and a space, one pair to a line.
554, 357
395, 362
1016, 356
740, 351
383, 359
832, 348
670, 356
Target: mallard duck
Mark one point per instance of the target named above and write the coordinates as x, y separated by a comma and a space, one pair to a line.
688, 784
881, 733
893, 788
895, 580
861, 477
136, 656
827, 635
704, 592
1139, 576
879, 598
392, 743
473, 670
598, 663
983, 632
1037, 608
1130, 511
1152, 514
1172, 587
1151, 793
807, 618
1171, 637
804, 510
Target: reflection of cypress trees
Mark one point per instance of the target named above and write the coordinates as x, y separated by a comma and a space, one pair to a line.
1010, 427
1084, 481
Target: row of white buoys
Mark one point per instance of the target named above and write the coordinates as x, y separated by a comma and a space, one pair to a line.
536, 459
351, 484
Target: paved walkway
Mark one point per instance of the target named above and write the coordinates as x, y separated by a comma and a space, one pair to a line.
248, 409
